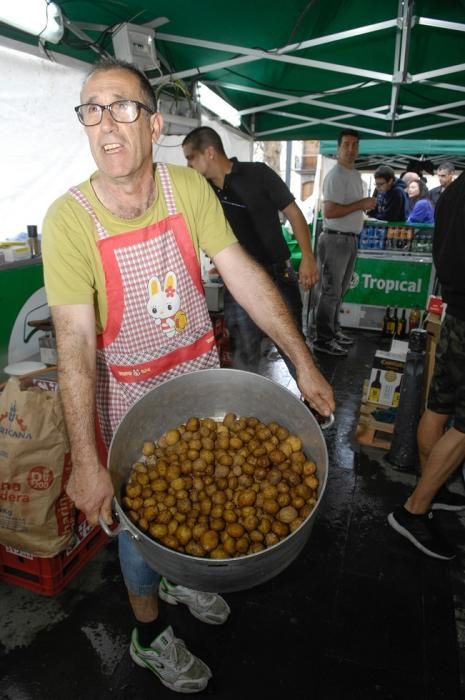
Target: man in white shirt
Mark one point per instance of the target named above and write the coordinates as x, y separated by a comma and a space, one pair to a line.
344, 205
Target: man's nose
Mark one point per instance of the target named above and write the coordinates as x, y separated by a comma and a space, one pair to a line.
107, 120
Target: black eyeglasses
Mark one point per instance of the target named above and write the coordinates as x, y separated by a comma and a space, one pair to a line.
123, 111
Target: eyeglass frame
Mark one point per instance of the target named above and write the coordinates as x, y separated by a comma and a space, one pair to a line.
108, 107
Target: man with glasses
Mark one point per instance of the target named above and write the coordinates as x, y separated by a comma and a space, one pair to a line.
391, 199
105, 244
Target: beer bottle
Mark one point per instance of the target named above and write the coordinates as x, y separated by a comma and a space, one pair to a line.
386, 318
414, 319
374, 391
396, 394
391, 326
395, 318
402, 326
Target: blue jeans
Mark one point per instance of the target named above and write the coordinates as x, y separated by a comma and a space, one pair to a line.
139, 577
336, 259
245, 337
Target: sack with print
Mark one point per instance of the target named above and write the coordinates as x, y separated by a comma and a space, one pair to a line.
36, 515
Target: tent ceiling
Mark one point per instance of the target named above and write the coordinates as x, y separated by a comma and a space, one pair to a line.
300, 70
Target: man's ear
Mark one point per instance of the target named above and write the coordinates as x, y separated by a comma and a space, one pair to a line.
210, 152
156, 125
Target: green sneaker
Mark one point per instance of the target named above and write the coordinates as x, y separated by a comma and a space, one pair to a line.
208, 607
169, 659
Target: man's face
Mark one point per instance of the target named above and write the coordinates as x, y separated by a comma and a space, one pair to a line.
383, 185
348, 150
199, 160
445, 177
119, 150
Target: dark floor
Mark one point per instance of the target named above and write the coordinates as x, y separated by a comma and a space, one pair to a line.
361, 615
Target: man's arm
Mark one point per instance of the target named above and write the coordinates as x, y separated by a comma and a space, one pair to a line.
254, 290
332, 210
308, 269
90, 485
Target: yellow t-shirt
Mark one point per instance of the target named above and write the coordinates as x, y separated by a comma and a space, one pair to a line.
73, 270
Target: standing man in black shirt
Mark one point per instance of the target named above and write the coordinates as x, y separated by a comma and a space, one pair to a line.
252, 194
441, 432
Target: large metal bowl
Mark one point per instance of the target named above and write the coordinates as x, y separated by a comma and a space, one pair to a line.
213, 393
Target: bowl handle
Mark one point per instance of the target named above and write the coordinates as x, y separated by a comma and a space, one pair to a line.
115, 530
323, 421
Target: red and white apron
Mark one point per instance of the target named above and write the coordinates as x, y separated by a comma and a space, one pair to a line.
158, 324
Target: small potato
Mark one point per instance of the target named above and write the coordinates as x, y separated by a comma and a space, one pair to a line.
192, 424
142, 479
170, 541
216, 511
159, 485
158, 530
183, 534
198, 530
298, 502
303, 490
256, 547
235, 443
246, 498
264, 525
277, 456
269, 491
242, 545
219, 553
229, 516
287, 515
229, 545
311, 482
221, 471
143, 523
178, 484
270, 506
274, 476
250, 522
137, 503
150, 513
225, 460
199, 465
207, 456
148, 448
256, 536
235, 530
280, 529
205, 506
170, 500
295, 443
295, 524
195, 549
271, 538
309, 468
283, 499
209, 540
229, 419
305, 511
217, 524
219, 497
172, 437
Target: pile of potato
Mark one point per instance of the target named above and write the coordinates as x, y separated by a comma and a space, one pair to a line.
221, 489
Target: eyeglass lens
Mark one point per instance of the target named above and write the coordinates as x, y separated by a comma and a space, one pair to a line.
125, 111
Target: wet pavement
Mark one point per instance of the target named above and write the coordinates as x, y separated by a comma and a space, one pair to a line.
360, 615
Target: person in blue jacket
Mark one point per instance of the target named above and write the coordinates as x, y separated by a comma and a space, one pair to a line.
421, 209
391, 199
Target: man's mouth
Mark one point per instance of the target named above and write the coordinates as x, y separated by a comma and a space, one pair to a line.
112, 147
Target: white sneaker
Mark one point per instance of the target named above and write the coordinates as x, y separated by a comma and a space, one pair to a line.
169, 659
208, 607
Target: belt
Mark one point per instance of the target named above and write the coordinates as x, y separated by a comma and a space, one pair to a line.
338, 233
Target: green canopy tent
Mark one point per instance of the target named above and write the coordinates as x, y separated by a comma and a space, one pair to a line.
297, 70
402, 153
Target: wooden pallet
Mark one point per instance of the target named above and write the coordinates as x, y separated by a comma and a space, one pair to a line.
370, 431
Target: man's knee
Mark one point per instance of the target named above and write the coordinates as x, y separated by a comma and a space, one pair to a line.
430, 430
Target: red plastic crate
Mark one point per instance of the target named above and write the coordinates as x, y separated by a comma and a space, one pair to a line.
49, 575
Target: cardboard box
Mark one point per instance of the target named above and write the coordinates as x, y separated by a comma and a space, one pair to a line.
385, 378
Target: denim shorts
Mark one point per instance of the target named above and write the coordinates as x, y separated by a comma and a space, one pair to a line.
447, 392
139, 577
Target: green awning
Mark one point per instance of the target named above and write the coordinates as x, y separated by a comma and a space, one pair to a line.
300, 69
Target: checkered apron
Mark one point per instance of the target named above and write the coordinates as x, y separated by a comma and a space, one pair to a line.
135, 353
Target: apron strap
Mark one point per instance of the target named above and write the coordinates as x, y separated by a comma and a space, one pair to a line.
84, 202
167, 189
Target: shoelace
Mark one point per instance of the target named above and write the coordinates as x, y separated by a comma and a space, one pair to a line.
177, 654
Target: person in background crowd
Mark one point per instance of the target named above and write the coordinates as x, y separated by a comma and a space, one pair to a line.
344, 205
123, 281
252, 195
421, 209
446, 175
390, 195
442, 448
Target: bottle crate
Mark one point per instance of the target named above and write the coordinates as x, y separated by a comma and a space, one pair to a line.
49, 575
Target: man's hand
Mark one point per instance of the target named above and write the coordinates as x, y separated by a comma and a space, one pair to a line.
91, 490
316, 390
308, 273
369, 203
